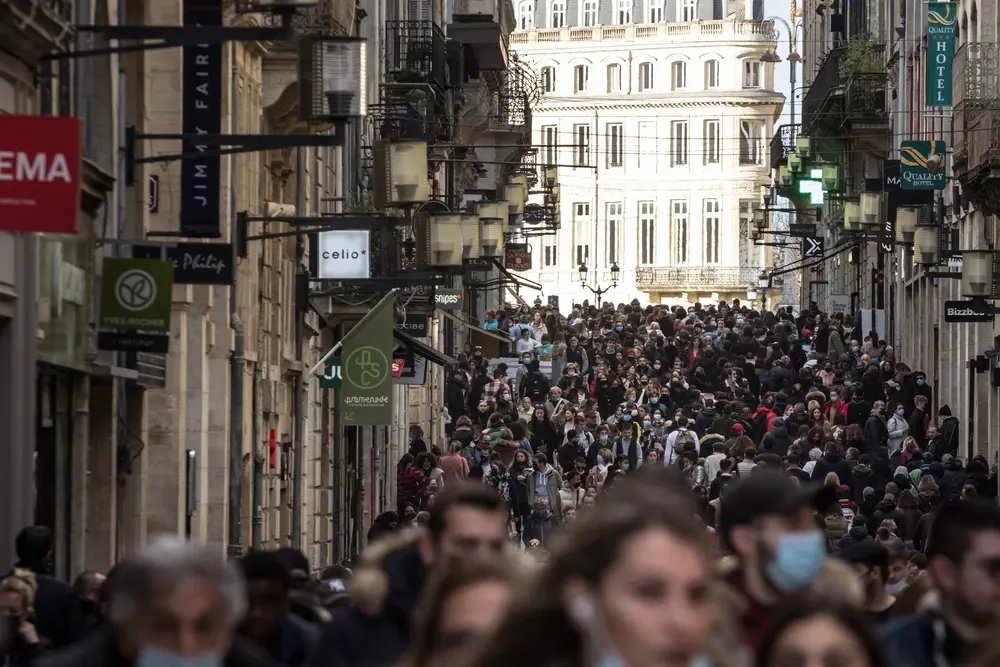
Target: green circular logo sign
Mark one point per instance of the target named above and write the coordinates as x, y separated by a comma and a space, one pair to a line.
135, 290
366, 367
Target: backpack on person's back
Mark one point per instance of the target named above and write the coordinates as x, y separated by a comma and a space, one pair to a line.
684, 437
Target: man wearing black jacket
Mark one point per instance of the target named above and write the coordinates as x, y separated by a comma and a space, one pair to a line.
57, 612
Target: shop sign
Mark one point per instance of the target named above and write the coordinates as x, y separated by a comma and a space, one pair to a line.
366, 372
968, 311
417, 326
194, 263
915, 170
448, 299
40, 163
517, 257
941, 36
136, 294
343, 254
331, 374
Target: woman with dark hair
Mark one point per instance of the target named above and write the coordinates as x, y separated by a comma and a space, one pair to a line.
815, 632
630, 585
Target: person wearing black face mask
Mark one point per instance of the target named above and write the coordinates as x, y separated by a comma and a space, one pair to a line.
87, 586
18, 636
859, 409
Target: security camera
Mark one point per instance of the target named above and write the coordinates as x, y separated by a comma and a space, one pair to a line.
934, 162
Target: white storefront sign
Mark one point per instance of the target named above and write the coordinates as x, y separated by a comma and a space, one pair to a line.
344, 254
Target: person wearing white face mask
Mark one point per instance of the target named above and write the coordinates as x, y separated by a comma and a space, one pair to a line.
898, 429
767, 520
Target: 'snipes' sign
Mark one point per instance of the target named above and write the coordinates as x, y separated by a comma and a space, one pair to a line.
448, 299
194, 263
39, 173
343, 254
201, 113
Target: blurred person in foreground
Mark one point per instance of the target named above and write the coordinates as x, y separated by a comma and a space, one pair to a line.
767, 521
461, 605
627, 584
963, 557
174, 604
810, 634
467, 520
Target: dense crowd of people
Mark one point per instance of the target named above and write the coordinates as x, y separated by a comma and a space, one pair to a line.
704, 487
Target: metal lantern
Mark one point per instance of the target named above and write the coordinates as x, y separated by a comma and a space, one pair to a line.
907, 218
755, 234
794, 162
470, 236
615, 274
751, 294
401, 173
852, 216
583, 274
925, 245
803, 146
333, 78
445, 239
550, 176
759, 218
977, 274
831, 177
871, 205
491, 219
784, 176
763, 280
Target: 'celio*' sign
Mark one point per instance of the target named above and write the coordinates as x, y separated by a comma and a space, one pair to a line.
39, 173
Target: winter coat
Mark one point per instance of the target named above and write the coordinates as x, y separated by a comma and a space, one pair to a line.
827, 464
856, 535
779, 439
553, 483
876, 432
887, 510
948, 442
897, 427
836, 528
952, 482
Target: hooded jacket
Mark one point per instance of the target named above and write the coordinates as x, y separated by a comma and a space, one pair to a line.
386, 589
861, 476
827, 464
952, 481
856, 535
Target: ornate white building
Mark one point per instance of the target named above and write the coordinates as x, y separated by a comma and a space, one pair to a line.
659, 114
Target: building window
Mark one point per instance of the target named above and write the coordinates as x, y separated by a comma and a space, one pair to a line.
655, 11
614, 78
579, 78
751, 141
526, 15
679, 231
746, 244
548, 79
557, 14
624, 13
751, 74
712, 74
647, 146
647, 233
678, 75
712, 227
614, 233
550, 255
645, 76
688, 10
713, 141
581, 145
550, 145
589, 11
678, 143
616, 149
581, 232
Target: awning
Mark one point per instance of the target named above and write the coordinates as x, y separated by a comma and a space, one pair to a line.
423, 349
517, 280
468, 325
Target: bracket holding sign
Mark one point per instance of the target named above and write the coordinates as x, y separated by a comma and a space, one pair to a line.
813, 246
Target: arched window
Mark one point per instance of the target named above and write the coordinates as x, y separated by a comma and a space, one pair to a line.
526, 14
614, 78
655, 11
711, 73
645, 76
557, 14
579, 78
548, 79
678, 75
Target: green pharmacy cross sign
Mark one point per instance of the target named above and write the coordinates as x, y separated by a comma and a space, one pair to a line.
941, 36
916, 170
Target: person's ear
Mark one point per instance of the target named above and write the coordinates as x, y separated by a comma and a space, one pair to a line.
742, 540
944, 572
425, 545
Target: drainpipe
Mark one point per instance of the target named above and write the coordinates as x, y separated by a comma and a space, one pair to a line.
257, 484
297, 411
237, 362
120, 358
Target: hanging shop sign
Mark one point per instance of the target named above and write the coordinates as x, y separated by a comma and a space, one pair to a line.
449, 299
968, 311
40, 162
366, 368
343, 254
331, 377
517, 257
402, 364
201, 113
941, 36
414, 373
916, 170
194, 263
417, 326
135, 304
840, 304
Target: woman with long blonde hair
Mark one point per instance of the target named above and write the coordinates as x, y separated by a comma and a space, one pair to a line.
18, 635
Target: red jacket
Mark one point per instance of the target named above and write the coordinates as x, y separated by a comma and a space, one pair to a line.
409, 483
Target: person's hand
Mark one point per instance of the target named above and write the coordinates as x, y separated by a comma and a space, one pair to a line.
28, 633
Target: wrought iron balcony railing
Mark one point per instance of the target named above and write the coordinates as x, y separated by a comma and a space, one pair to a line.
511, 105
783, 143
976, 98
694, 278
416, 53
827, 82
866, 95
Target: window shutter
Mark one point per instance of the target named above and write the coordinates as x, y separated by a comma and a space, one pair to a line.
670, 11
419, 10
706, 10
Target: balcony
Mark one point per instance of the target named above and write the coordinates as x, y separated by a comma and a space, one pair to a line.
696, 279
329, 17
976, 94
415, 57
783, 143
484, 27
694, 32
848, 95
825, 92
865, 107
511, 105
